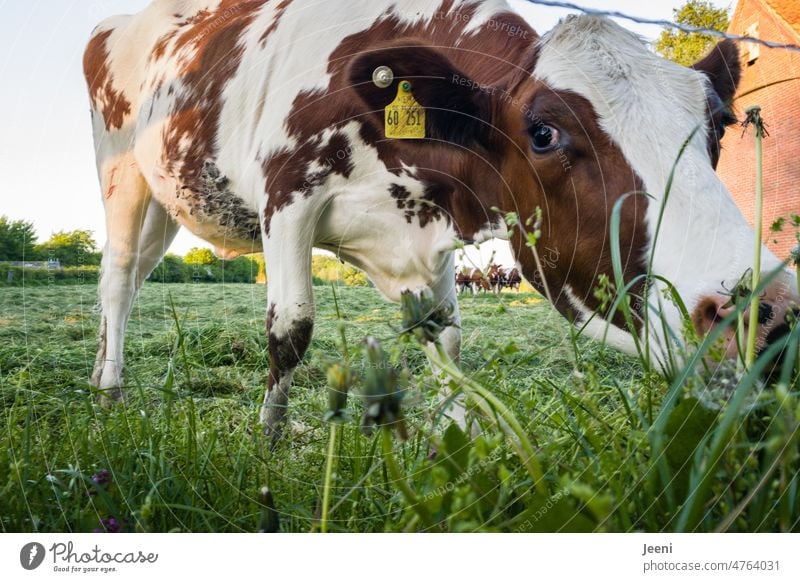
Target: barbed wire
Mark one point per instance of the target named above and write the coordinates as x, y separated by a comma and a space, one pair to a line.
666, 23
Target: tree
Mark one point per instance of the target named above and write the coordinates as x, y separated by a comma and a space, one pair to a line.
171, 269
326, 270
261, 274
687, 48
17, 240
355, 277
75, 248
198, 256
242, 269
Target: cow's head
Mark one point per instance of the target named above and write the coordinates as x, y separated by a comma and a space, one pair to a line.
591, 117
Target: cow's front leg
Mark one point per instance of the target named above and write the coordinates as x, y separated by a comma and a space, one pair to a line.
445, 294
290, 319
450, 340
289, 328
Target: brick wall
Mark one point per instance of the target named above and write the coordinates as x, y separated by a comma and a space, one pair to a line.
780, 108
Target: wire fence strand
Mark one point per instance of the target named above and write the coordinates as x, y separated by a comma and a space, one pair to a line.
666, 23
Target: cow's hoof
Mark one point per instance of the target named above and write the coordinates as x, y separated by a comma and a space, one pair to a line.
109, 397
97, 376
275, 435
273, 423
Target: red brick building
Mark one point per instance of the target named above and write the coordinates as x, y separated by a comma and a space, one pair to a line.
776, 20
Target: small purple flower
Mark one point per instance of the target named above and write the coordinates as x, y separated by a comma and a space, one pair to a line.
110, 525
102, 477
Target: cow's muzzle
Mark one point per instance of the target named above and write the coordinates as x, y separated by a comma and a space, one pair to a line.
778, 314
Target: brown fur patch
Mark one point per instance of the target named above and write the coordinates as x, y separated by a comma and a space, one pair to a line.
404, 200
285, 176
286, 352
723, 69
425, 210
279, 11
213, 41
112, 103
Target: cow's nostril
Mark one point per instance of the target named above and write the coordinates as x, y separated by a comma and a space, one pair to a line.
778, 333
712, 312
765, 313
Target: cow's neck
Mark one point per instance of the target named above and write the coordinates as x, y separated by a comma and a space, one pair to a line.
464, 185
475, 201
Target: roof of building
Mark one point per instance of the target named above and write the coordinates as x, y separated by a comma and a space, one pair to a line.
788, 11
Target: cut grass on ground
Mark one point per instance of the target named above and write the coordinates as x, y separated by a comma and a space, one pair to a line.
186, 452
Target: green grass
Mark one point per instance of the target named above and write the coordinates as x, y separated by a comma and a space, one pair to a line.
186, 452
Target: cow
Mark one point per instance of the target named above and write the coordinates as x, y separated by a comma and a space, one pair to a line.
497, 278
261, 125
479, 282
463, 280
472, 280
513, 279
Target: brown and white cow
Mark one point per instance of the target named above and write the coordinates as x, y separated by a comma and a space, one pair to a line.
257, 125
463, 280
513, 279
497, 277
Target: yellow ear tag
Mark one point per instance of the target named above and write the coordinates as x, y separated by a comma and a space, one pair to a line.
404, 118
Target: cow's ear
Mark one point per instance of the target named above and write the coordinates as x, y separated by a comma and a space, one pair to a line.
723, 68
457, 110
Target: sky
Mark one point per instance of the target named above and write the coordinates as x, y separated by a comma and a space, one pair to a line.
47, 170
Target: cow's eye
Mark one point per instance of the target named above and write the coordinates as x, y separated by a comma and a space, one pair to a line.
544, 138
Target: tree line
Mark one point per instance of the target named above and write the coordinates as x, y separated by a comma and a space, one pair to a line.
78, 257
18, 242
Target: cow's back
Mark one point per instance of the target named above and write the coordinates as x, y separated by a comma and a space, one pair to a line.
263, 54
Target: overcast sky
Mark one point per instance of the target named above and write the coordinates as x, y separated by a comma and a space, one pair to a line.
47, 171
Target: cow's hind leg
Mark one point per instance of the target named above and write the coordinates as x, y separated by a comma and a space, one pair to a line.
158, 232
126, 198
290, 317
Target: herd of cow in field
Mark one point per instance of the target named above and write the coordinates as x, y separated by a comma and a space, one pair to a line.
496, 278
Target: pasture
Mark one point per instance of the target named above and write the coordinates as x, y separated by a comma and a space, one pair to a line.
619, 450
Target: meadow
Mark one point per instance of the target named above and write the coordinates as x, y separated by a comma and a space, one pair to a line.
615, 448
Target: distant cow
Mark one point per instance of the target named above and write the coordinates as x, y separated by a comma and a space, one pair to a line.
513, 279
471, 279
479, 281
463, 280
258, 125
497, 278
